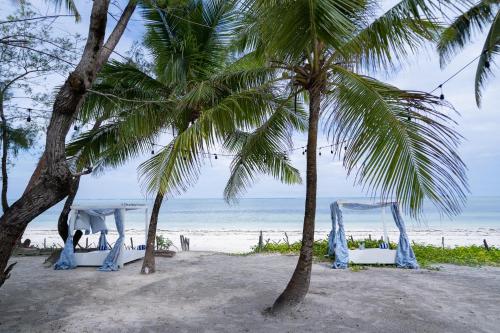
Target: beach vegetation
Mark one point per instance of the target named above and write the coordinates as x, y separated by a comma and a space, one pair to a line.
427, 255
398, 143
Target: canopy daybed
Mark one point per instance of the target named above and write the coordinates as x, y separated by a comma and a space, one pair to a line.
402, 257
92, 218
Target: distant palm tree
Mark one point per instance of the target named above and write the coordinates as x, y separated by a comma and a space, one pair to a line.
198, 91
396, 139
483, 15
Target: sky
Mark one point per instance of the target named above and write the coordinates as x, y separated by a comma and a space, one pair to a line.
479, 127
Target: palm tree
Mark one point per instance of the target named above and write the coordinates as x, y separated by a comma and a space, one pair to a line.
483, 15
200, 92
396, 141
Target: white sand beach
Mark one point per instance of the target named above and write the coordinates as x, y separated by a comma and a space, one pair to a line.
241, 241
210, 292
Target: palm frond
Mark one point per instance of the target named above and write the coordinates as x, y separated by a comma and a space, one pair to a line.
400, 144
70, 7
262, 151
459, 33
491, 47
387, 40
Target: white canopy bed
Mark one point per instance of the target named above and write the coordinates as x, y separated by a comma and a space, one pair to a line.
403, 256
91, 218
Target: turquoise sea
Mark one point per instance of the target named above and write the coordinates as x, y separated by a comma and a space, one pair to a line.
282, 214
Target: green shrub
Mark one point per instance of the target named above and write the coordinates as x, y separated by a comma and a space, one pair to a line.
426, 254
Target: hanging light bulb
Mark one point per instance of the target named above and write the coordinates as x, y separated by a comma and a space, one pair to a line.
320, 152
29, 116
487, 64
215, 155
441, 97
331, 150
152, 152
75, 128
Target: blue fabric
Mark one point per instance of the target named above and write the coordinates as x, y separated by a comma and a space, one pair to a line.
331, 235
103, 243
111, 261
383, 245
67, 259
405, 257
92, 219
339, 242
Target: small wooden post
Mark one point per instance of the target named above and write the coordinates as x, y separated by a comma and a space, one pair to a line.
486, 245
45, 243
261, 242
87, 243
131, 243
442, 242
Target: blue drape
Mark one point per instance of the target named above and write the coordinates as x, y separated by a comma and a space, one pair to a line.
331, 235
337, 242
103, 243
111, 261
405, 257
67, 258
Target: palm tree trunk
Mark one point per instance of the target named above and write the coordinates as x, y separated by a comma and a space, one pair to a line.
148, 265
298, 286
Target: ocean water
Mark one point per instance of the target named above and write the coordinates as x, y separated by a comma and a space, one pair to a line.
285, 214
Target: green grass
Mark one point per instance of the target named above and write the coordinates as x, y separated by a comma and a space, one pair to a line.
427, 255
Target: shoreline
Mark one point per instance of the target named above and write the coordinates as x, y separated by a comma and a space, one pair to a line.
241, 241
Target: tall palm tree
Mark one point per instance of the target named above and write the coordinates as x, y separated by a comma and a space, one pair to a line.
396, 141
481, 16
200, 92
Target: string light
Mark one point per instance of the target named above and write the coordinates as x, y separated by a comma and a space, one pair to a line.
29, 116
215, 156
320, 151
441, 97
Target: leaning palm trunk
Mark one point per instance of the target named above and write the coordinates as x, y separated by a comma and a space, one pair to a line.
298, 286
148, 265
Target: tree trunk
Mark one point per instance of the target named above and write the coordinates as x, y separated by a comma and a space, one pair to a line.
148, 265
62, 223
54, 181
298, 286
5, 151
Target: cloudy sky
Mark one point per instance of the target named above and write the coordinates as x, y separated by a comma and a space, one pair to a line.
480, 127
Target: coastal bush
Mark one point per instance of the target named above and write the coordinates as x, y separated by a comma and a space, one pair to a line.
426, 254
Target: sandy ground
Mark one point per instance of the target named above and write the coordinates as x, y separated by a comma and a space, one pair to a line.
209, 292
